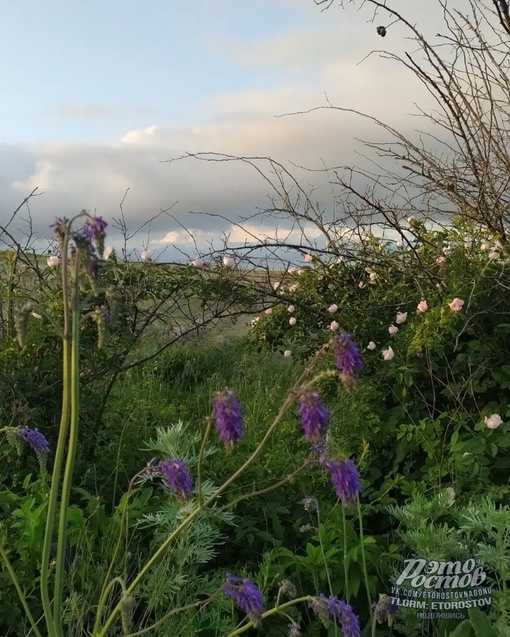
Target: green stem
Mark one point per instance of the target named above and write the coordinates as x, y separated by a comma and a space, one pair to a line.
21, 595
61, 445
346, 557
104, 596
321, 544
185, 523
364, 560
287, 480
174, 611
71, 452
272, 611
205, 438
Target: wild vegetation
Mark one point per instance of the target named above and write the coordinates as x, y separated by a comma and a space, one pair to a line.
165, 474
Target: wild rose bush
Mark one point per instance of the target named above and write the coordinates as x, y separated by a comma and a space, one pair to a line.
433, 323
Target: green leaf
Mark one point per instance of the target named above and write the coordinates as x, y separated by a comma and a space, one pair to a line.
463, 630
481, 624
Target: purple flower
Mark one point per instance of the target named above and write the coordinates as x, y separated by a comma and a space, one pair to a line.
35, 440
313, 415
345, 479
294, 630
228, 417
177, 476
318, 449
348, 356
60, 226
340, 610
94, 230
246, 595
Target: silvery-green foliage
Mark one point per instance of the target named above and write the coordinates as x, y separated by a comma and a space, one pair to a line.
437, 529
177, 579
485, 526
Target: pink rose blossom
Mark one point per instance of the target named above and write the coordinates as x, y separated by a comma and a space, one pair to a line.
440, 260
494, 421
308, 258
53, 261
287, 353
388, 354
456, 305
332, 308
392, 329
292, 320
334, 326
291, 309
371, 345
494, 256
269, 310
146, 255
361, 285
422, 306
228, 262
198, 263
401, 318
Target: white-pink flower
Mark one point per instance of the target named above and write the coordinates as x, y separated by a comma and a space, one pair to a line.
292, 320
293, 287
440, 260
53, 261
400, 243
308, 258
198, 263
334, 326
361, 285
494, 421
332, 308
287, 353
36, 316
494, 255
291, 309
276, 285
145, 255
107, 253
268, 311
388, 354
228, 262
371, 345
393, 329
422, 306
373, 277
401, 318
485, 246
456, 305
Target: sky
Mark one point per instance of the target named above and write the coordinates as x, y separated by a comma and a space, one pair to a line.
98, 96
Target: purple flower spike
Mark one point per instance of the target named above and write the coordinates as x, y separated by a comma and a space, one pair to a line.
177, 476
345, 479
35, 440
94, 228
348, 356
341, 611
228, 417
313, 415
325, 607
246, 595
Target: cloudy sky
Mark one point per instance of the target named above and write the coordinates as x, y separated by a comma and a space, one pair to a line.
98, 95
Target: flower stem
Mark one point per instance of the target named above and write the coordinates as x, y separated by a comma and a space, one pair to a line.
271, 611
364, 559
200, 459
61, 444
346, 557
71, 451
